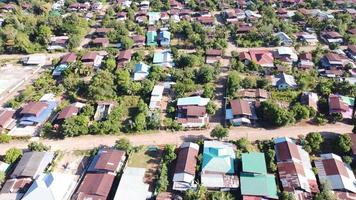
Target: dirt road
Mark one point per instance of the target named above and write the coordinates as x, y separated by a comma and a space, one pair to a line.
163, 137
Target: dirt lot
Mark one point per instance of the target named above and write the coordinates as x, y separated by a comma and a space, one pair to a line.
149, 159
72, 163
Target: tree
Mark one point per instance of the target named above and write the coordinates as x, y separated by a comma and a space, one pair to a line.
271, 114
300, 111
286, 196
123, 144
233, 83
347, 159
102, 86
219, 195
12, 155
219, 132
313, 141
110, 64
75, 126
325, 193
205, 74
344, 143
44, 34
140, 122
244, 145
2, 177
209, 91
211, 108
38, 146
199, 193
5, 138
162, 184
169, 153
127, 42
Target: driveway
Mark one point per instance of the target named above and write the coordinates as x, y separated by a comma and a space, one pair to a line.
164, 137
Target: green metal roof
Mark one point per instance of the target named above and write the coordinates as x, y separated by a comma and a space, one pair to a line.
151, 38
254, 162
348, 100
258, 185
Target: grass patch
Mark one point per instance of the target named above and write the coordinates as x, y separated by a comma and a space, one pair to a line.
285, 96
143, 158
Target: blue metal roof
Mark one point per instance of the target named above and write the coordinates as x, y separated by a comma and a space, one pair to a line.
28, 120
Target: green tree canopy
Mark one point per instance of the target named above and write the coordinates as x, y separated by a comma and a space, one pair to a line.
12, 155
219, 132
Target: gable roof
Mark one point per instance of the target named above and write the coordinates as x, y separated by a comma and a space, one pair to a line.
32, 164
68, 112
95, 186
34, 108
265, 183
187, 158
196, 110
6, 116
52, 186
70, 57
254, 162
240, 107
332, 169
107, 160
194, 100
89, 56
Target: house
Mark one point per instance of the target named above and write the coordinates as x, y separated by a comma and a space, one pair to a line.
286, 55
68, 58
307, 38
333, 64
252, 15
151, 38
32, 164
153, 17
175, 4
305, 61
255, 183
284, 81
331, 37
284, 39
337, 174
132, 186
123, 57
191, 112
261, 57
163, 58
164, 17
218, 167
94, 186
351, 52
15, 188
285, 14
156, 97
164, 38
121, 16
100, 42
58, 42
141, 16
34, 113
295, 169
353, 140
37, 59
144, 5
52, 186
103, 110
7, 119
76, 7
92, 59
102, 32
240, 111
252, 95
184, 173
66, 113
342, 105
309, 99
139, 40
207, 21
213, 55
141, 71
97, 6
9, 7
244, 28
107, 161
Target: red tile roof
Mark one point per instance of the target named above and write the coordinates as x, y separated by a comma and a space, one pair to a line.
95, 186
186, 160
287, 151
34, 108
261, 57
334, 167
305, 56
240, 107
5, 117
109, 160
68, 112
70, 57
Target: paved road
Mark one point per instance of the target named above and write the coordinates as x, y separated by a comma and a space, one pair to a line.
163, 137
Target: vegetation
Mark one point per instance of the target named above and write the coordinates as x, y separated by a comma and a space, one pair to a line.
312, 142
168, 157
38, 146
344, 143
12, 155
123, 144
273, 115
5, 138
219, 132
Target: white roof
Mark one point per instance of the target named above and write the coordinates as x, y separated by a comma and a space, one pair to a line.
131, 185
183, 177
52, 186
157, 90
3, 166
35, 60
195, 100
48, 97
